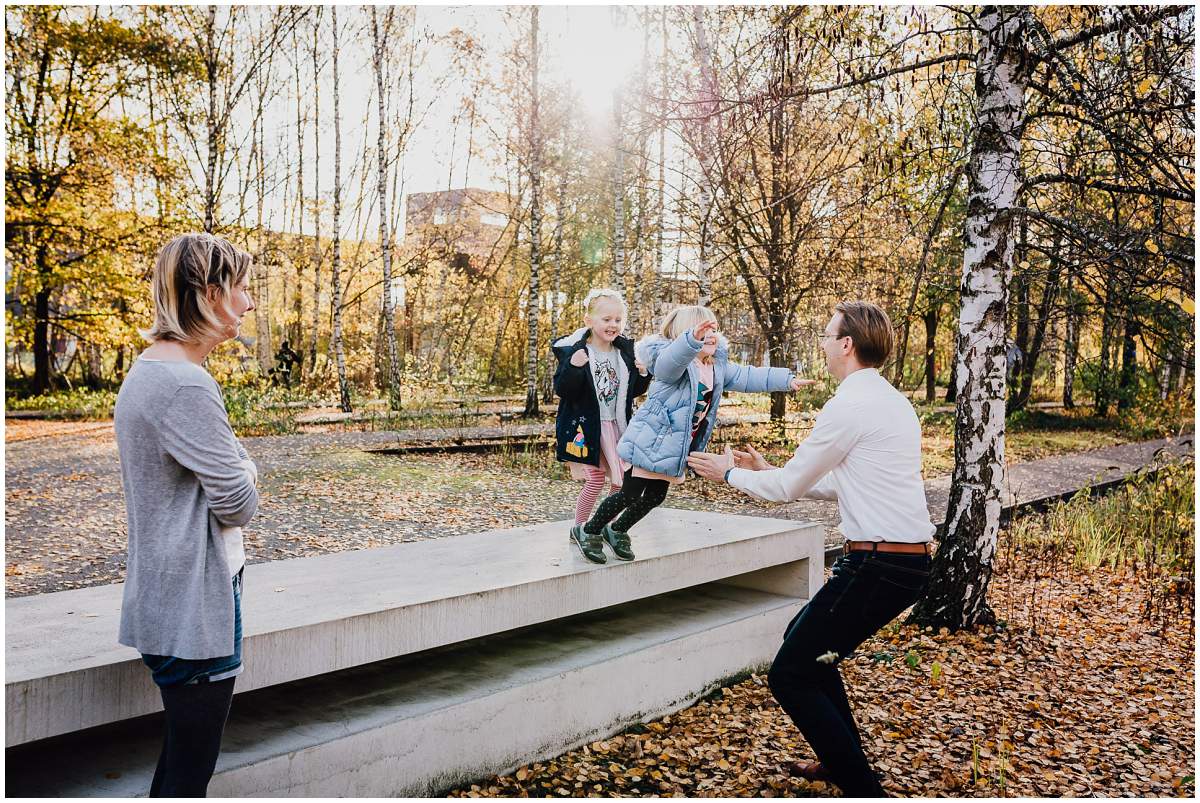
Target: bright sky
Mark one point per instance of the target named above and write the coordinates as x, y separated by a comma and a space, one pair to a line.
594, 47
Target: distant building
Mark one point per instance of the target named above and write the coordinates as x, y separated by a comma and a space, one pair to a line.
459, 227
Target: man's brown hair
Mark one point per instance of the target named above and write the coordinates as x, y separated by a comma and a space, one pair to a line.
870, 329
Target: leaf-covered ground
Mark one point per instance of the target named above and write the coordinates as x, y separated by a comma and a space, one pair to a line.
1076, 695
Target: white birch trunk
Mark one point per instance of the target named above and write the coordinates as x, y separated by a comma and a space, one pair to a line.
706, 110
297, 327
210, 166
962, 569
618, 185
559, 219
316, 310
339, 350
389, 312
262, 275
533, 307
655, 284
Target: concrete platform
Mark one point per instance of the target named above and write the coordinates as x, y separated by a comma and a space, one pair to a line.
310, 616
422, 724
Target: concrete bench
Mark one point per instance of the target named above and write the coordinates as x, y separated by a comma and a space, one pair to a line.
407, 669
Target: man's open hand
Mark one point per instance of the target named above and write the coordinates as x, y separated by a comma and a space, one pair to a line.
750, 459
711, 466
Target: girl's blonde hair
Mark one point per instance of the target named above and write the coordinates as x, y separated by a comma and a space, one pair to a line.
597, 293
183, 271
681, 319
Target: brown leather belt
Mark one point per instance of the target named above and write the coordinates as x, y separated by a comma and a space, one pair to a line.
925, 548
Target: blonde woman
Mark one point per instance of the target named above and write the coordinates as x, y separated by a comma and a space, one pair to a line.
189, 488
690, 364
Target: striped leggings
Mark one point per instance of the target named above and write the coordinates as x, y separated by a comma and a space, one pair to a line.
592, 487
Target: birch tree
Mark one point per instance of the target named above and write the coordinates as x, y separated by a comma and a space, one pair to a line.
230, 57
705, 114
296, 329
339, 349
318, 254
533, 305
385, 246
618, 183
962, 568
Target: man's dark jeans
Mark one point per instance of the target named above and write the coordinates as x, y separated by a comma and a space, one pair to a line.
867, 590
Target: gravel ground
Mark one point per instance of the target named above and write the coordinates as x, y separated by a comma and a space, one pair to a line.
65, 517
320, 492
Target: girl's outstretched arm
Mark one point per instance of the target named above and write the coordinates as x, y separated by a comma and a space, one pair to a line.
672, 361
752, 379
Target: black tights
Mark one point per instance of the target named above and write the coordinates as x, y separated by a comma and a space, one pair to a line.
637, 497
195, 719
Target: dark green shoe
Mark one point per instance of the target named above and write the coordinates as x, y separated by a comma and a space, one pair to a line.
590, 545
618, 542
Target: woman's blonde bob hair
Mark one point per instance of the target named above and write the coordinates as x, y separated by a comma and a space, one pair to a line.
682, 319
183, 271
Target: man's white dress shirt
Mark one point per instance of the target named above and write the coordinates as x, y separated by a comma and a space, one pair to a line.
865, 452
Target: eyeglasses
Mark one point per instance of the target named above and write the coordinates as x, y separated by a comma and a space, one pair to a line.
826, 335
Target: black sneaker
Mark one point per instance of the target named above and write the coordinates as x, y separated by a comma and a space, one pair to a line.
590, 545
618, 542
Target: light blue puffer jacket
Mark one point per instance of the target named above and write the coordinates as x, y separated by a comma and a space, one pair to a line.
659, 434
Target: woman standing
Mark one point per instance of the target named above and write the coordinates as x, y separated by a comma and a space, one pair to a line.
189, 488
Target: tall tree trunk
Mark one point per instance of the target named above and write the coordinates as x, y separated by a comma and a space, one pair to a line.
317, 257
559, 219
385, 244
1041, 323
654, 286
41, 324
1108, 329
296, 330
902, 349
533, 307
931, 322
339, 349
962, 568
1071, 339
262, 273
636, 310
1166, 373
777, 347
707, 110
92, 365
1128, 387
952, 386
1021, 291
214, 133
618, 189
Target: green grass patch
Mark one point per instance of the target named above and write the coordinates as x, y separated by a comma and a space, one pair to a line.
1148, 524
80, 403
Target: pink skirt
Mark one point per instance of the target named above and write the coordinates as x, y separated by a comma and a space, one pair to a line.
610, 463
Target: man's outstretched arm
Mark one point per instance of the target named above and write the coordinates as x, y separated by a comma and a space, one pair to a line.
833, 436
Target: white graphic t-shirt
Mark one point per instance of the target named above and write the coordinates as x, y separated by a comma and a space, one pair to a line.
606, 379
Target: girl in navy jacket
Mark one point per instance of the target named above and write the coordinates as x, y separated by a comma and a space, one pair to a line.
597, 379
